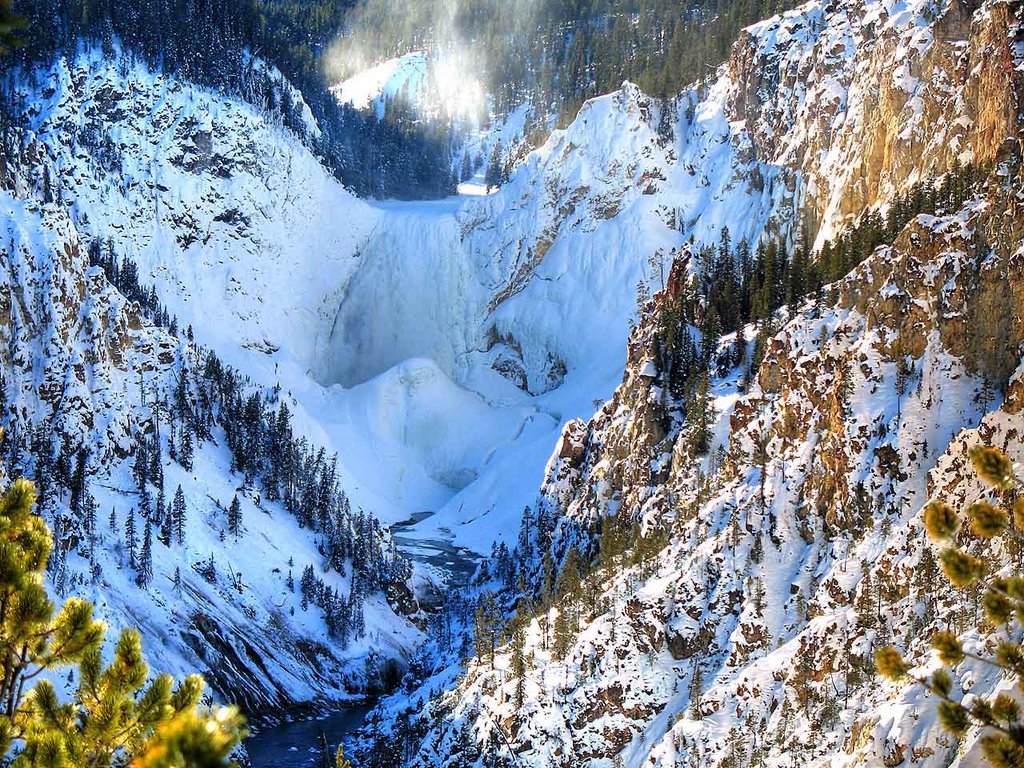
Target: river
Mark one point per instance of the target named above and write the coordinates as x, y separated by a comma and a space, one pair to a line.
454, 564
297, 744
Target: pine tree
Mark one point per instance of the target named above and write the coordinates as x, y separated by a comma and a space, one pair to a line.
563, 632
999, 716
113, 717
161, 509
307, 586
493, 177
696, 691
166, 528
486, 627
235, 517
78, 483
357, 619
185, 449
131, 542
89, 508
519, 665
178, 515
145, 573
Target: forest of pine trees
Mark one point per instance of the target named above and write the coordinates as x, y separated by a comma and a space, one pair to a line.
117, 713
739, 284
555, 55
210, 401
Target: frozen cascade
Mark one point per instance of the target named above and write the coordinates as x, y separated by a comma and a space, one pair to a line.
412, 296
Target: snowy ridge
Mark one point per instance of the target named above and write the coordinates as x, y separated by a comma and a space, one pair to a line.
402, 77
440, 347
794, 548
196, 188
435, 86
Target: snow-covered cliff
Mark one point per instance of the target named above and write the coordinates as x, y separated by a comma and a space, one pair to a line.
440, 347
734, 620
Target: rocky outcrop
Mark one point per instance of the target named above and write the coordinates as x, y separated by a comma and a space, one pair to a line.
72, 347
178, 183
870, 95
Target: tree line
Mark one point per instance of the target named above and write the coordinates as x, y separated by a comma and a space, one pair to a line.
555, 55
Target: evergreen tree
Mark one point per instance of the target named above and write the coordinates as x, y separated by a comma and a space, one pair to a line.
89, 508
78, 483
113, 715
140, 466
696, 691
563, 632
145, 572
998, 715
235, 517
355, 613
519, 665
493, 175
131, 542
161, 510
486, 627
307, 586
185, 449
166, 527
178, 511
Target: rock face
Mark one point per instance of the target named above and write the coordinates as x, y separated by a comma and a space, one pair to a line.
877, 94
818, 115
196, 188
72, 346
795, 547
740, 631
768, 567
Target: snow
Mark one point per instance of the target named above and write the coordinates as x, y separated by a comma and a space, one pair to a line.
401, 77
297, 282
440, 347
440, 84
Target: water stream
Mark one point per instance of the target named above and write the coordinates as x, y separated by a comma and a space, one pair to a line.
298, 744
455, 564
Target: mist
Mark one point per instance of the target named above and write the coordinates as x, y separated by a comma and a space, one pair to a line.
462, 42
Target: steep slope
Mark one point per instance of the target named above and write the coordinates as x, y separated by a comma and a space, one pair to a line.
511, 311
197, 188
539, 282
789, 139
738, 628
87, 382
